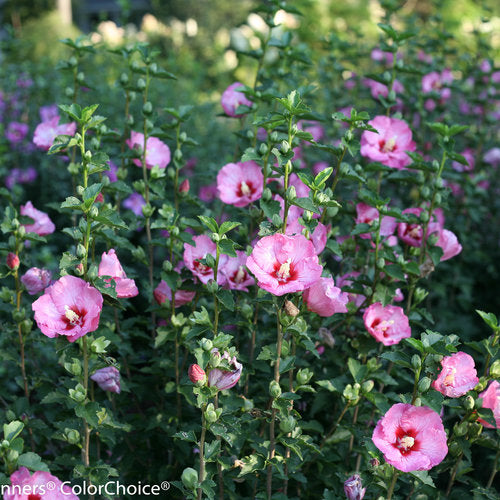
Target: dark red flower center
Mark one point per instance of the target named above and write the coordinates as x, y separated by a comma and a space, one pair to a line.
201, 268
387, 146
414, 231
246, 188
73, 316
239, 275
406, 441
34, 497
284, 272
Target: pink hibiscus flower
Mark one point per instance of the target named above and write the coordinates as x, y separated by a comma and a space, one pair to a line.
39, 486
458, 375
325, 299
388, 324
491, 400
70, 307
194, 254
284, 264
239, 184
110, 266
157, 152
42, 224
232, 98
411, 437
163, 292
365, 214
235, 272
225, 379
35, 280
47, 131
389, 146
449, 243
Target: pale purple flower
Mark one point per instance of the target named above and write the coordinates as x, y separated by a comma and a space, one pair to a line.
353, 488
135, 202
35, 280
108, 379
16, 132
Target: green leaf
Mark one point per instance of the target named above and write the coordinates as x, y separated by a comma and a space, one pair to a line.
423, 476
489, 318
90, 193
226, 299
228, 226
32, 461
227, 247
12, 430
323, 176
306, 204
395, 271
211, 450
109, 217
72, 202
415, 343
358, 371
210, 223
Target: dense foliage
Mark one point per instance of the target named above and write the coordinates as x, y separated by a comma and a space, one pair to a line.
280, 288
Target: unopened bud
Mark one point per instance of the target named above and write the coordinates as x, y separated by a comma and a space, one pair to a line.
197, 375
288, 424
274, 389
184, 187
495, 369
469, 402
189, 478
178, 155
147, 108
424, 384
12, 261
416, 362
80, 251
461, 429
367, 386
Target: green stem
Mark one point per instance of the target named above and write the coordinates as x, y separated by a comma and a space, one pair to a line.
201, 473
453, 475
86, 445
288, 168
216, 300
336, 424
494, 470
390, 491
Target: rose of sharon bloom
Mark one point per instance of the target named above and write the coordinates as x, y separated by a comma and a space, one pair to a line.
194, 254
196, 374
157, 152
353, 488
70, 307
235, 272
223, 379
108, 379
47, 131
449, 243
388, 324
135, 202
19, 176
284, 264
325, 299
16, 132
48, 112
163, 292
409, 233
42, 224
110, 266
458, 375
367, 215
41, 485
389, 146
35, 280
411, 437
232, 98
318, 237
434, 82
491, 400
240, 183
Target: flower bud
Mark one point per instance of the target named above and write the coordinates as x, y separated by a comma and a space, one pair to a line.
215, 359
469, 402
285, 146
263, 149
141, 84
183, 137
460, 429
424, 384
291, 193
80, 77
69, 92
211, 414
291, 309
288, 424
267, 194
374, 462
274, 137
184, 187
124, 78
72, 436
80, 251
495, 369
79, 269
197, 375
72, 61
274, 389
416, 362
454, 448
206, 344
147, 210
212, 286
94, 211
13, 261
304, 375
80, 190
189, 478
367, 386
353, 488
178, 155
147, 108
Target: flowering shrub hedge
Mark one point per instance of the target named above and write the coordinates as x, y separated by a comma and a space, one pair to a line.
283, 294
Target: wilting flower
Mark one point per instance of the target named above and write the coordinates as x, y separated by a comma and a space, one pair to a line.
70, 307
232, 98
47, 131
163, 292
491, 400
108, 379
284, 264
449, 243
388, 324
235, 272
12, 261
135, 202
353, 488
193, 255
225, 379
411, 437
458, 375
389, 146
196, 374
110, 266
42, 224
325, 299
16, 132
240, 183
39, 486
157, 152
35, 280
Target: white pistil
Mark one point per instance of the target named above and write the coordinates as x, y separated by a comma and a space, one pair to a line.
245, 189
389, 145
240, 275
284, 271
71, 315
407, 442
